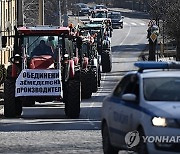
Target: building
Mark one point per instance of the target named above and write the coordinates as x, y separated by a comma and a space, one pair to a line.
8, 20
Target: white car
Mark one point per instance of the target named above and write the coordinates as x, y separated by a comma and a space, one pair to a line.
143, 112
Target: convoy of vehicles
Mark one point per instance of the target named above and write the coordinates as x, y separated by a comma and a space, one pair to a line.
53, 63
91, 34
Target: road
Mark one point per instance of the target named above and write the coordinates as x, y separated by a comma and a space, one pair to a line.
45, 129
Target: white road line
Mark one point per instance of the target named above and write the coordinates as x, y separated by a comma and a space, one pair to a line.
132, 23
126, 35
92, 104
142, 24
2, 111
125, 23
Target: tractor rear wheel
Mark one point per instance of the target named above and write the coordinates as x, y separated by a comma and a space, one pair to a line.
86, 86
106, 61
72, 102
12, 105
94, 80
99, 76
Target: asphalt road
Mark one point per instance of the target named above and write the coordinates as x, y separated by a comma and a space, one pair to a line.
45, 129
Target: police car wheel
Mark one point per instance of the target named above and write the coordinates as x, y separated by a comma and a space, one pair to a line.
107, 147
141, 148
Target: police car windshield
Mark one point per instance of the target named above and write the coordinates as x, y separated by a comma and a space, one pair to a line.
161, 89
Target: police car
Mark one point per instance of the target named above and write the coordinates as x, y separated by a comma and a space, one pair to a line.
143, 111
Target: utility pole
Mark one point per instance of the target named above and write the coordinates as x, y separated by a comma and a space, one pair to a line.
41, 12
60, 14
0, 27
19, 13
65, 23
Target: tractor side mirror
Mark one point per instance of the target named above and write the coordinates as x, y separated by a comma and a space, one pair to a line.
4, 41
16, 59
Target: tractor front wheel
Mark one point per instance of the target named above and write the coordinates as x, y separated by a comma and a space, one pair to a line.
12, 105
94, 80
86, 84
72, 103
106, 61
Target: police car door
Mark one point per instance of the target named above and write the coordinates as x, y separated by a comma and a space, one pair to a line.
117, 116
122, 113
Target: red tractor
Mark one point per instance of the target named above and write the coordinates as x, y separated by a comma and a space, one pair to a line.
43, 69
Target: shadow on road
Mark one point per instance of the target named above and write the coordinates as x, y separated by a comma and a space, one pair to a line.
128, 48
136, 14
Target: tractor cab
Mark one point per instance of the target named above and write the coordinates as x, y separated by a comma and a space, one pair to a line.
40, 47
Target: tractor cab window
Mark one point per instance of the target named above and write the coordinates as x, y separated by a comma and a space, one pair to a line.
40, 45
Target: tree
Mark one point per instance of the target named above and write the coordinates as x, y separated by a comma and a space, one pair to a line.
31, 12
169, 12
172, 23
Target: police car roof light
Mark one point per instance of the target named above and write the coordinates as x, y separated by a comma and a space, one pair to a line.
157, 65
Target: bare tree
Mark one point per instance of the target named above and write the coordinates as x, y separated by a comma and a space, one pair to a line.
31, 12
168, 11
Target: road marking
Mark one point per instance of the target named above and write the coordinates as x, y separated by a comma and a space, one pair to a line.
2, 111
125, 23
126, 35
133, 23
142, 24
92, 104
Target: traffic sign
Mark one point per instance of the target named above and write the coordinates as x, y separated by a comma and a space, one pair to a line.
153, 37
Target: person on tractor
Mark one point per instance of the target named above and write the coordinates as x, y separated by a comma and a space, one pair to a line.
42, 49
51, 43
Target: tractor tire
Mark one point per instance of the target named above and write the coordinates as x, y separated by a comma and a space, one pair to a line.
72, 102
99, 76
2, 74
106, 61
94, 80
12, 105
86, 85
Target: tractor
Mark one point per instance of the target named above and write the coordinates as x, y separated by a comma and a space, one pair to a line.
90, 32
100, 16
42, 70
103, 42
